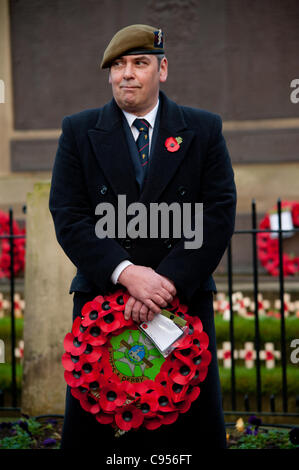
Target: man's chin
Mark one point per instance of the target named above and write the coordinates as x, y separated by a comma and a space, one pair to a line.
129, 105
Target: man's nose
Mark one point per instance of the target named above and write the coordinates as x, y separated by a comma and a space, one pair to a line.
128, 71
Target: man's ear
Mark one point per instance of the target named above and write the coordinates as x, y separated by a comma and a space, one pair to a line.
109, 76
163, 70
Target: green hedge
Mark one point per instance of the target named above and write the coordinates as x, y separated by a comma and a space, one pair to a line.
5, 376
244, 330
5, 328
5, 333
271, 380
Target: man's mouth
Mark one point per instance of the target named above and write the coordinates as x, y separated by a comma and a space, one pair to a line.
128, 87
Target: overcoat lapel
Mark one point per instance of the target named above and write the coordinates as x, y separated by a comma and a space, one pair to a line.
164, 164
110, 146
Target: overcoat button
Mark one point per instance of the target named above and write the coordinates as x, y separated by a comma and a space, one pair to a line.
182, 190
103, 189
127, 244
168, 244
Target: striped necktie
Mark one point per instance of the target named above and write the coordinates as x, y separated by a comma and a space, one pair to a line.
143, 143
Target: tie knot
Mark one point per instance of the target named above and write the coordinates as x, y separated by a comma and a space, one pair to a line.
141, 124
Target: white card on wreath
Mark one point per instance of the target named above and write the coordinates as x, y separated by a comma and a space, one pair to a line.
162, 331
286, 224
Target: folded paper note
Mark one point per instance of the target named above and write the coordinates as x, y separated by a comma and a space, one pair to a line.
162, 331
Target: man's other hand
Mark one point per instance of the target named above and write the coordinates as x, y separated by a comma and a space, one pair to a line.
147, 287
139, 311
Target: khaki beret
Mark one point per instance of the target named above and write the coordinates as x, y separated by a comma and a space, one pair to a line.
134, 39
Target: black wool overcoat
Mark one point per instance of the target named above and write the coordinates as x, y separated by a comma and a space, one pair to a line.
93, 164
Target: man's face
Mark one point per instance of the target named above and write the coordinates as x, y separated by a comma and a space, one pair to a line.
135, 82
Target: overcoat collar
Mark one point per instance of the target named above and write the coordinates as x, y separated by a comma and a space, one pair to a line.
111, 149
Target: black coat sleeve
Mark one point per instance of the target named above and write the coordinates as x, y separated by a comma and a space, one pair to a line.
74, 219
189, 268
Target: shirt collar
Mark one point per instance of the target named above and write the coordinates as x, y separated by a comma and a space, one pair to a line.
150, 117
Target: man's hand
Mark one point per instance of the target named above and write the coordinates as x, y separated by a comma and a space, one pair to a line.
147, 287
138, 310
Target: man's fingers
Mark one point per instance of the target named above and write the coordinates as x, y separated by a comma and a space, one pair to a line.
135, 310
152, 306
166, 295
128, 307
143, 313
159, 300
169, 286
151, 315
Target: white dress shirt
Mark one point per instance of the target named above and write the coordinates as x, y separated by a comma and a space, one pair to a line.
151, 118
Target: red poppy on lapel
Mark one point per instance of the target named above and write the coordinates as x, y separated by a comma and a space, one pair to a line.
172, 144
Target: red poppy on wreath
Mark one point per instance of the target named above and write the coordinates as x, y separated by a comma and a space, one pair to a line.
91, 311
71, 362
111, 320
155, 423
5, 248
149, 404
112, 396
184, 405
118, 300
104, 418
78, 329
128, 417
94, 335
119, 376
182, 373
74, 378
73, 346
173, 144
90, 371
268, 247
89, 403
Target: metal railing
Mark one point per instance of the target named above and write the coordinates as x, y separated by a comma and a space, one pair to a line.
253, 231
11, 237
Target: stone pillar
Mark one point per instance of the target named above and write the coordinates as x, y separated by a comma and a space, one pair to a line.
48, 312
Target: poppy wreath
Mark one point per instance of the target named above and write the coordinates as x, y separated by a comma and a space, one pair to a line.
119, 376
18, 247
268, 248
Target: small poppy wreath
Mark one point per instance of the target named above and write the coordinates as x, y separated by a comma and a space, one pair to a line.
268, 248
18, 247
119, 376
173, 144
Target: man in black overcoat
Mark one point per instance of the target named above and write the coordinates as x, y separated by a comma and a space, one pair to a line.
178, 156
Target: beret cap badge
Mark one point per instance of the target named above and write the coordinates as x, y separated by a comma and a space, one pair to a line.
158, 41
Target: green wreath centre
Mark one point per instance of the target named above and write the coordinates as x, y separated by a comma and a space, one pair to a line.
134, 355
